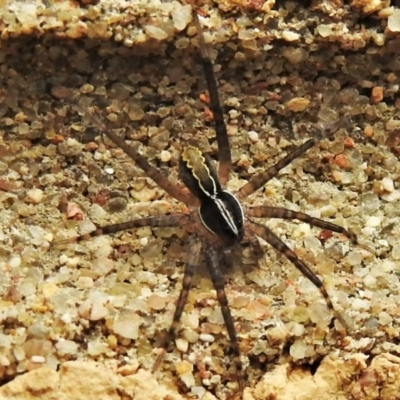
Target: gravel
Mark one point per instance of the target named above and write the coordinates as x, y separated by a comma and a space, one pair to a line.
96, 310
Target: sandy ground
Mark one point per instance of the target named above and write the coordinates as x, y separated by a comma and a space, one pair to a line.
83, 320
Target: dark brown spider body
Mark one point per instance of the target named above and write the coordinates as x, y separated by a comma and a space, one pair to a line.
220, 212
218, 221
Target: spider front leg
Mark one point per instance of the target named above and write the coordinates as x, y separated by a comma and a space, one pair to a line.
171, 221
324, 130
270, 237
153, 173
190, 269
224, 150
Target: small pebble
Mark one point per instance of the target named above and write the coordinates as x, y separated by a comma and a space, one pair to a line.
35, 195
373, 222
337, 175
277, 334
297, 329
98, 155
144, 194
391, 197
181, 16
312, 243
183, 367
72, 262
347, 178
361, 305
198, 391
389, 266
182, 345
206, 337
301, 230
384, 318
396, 253
342, 161
49, 289
66, 347
144, 241
19, 353
188, 379
86, 88
156, 302
112, 341
369, 131
127, 325
387, 184
255, 310
38, 359
392, 124
354, 258
102, 266
73, 210
14, 262
394, 21
367, 231
165, 156
297, 104
66, 318
84, 282
324, 30
95, 348
191, 320
155, 32
290, 36
253, 136
70, 148
190, 336
98, 311
298, 349
377, 94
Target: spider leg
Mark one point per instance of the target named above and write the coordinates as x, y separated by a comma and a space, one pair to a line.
284, 213
160, 179
212, 261
323, 130
256, 247
154, 222
224, 151
270, 237
190, 269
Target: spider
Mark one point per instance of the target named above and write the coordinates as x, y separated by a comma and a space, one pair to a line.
217, 220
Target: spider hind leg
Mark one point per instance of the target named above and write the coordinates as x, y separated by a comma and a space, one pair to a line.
271, 238
213, 267
190, 269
